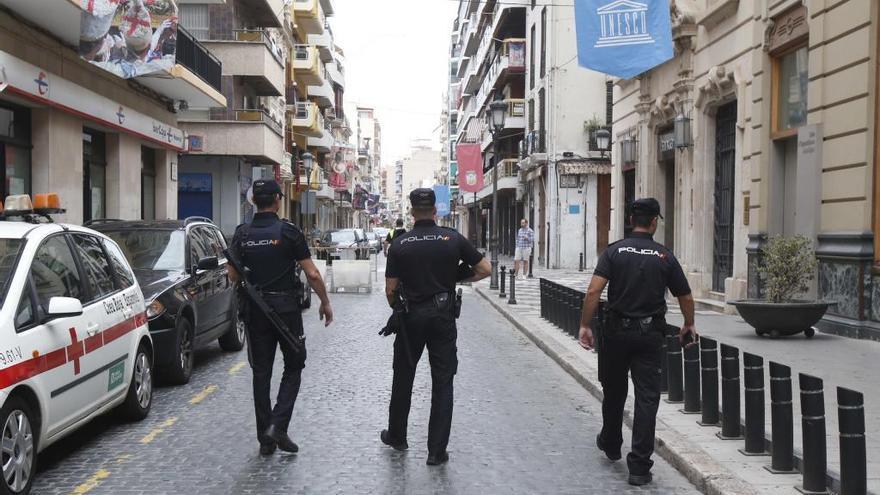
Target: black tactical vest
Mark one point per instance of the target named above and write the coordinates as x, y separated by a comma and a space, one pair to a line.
271, 264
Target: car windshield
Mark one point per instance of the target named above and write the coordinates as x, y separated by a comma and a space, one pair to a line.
9, 251
161, 250
342, 236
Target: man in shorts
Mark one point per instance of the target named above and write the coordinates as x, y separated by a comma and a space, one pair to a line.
525, 241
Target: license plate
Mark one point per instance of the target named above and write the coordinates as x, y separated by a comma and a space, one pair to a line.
117, 375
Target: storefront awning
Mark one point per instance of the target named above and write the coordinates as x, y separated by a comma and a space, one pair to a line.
584, 167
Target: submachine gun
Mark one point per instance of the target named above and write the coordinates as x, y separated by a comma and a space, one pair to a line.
255, 295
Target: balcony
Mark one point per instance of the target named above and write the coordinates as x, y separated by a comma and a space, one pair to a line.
254, 57
306, 119
323, 92
470, 40
533, 151
510, 59
508, 178
514, 121
336, 73
325, 192
253, 135
325, 142
262, 13
306, 65
308, 16
324, 43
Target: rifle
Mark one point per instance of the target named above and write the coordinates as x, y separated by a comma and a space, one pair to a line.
255, 294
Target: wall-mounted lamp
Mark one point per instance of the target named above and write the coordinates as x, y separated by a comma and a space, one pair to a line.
683, 136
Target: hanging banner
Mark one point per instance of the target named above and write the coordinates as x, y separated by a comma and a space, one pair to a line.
470, 167
623, 38
441, 193
129, 38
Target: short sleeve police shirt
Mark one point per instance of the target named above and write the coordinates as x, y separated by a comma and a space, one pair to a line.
639, 271
293, 240
426, 259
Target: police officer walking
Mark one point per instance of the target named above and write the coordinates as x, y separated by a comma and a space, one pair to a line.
639, 270
271, 248
398, 230
424, 264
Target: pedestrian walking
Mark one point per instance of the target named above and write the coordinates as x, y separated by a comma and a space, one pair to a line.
270, 249
424, 264
639, 271
398, 230
525, 241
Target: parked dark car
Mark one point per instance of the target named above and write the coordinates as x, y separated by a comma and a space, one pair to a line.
190, 300
335, 242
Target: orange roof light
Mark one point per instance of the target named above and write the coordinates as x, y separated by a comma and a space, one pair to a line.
47, 201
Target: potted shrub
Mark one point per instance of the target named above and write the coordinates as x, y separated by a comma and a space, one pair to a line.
788, 265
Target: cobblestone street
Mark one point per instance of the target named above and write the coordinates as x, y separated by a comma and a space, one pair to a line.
521, 425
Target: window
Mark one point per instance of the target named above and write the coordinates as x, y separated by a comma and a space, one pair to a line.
54, 272
9, 252
196, 20
531, 115
532, 59
160, 250
216, 241
124, 277
541, 119
148, 183
95, 264
199, 245
25, 314
94, 175
543, 42
15, 150
790, 72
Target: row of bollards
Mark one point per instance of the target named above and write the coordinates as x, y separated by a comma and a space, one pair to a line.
501, 294
691, 377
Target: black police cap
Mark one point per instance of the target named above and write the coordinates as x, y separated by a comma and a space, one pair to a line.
422, 198
646, 207
266, 188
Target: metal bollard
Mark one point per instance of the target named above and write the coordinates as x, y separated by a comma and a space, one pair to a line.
581, 263
551, 302
675, 394
531, 264
512, 299
501, 294
731, 428
813, 428
709, 369
571, 309
542, 291
853, 459
691, 380
753, 370
782, 449
664, 366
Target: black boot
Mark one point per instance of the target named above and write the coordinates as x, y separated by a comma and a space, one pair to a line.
392, 442
281, 439
437, 459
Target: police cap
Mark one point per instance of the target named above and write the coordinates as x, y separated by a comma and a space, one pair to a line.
422, 198
646, 207
266, 188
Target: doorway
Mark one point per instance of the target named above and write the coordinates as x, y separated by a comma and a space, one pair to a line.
725, 155
94, 175
629, 195
195, 196
668, 205
603, 211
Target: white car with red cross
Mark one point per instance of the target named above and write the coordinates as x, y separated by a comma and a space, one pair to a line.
74, 342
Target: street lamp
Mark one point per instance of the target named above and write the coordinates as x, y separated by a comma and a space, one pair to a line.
307, 161
603, 140
497, 112
682, 132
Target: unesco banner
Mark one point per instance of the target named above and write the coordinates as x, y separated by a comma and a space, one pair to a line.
623, 38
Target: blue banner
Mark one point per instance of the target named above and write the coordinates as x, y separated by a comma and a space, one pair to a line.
442, 201
623, 38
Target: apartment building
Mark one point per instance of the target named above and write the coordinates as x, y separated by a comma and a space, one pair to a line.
233, 145
565, 176
369, 164
418, 169
490, 48
98, 133
763, 124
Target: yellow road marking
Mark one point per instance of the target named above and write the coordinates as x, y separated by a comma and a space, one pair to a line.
210, 389
237, 367
158, 430
91, 483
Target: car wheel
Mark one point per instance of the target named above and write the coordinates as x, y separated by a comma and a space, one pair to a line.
18, 456
234, 339
180, 369
140, 391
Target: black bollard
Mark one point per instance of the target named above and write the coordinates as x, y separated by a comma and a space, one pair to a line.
542, 292
531, 264
753, 370
572, 307
731, 428
709, 367
512, 299
782, 448
664, 367
853, 459
503, 272
813, 428
551, 302
581, 263
691, 380
675, 393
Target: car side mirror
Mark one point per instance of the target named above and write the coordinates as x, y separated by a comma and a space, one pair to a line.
64, 307
208, 263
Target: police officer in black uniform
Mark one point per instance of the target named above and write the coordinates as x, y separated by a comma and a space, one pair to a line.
271, 248
398, 230
640, 270
424, 263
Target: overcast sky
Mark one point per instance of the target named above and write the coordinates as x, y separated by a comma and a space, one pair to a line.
397, 59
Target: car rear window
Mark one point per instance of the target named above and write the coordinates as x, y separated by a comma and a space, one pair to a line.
9, 251
343, 236
161, 250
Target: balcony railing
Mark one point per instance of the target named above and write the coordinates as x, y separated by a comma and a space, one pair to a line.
258, 115
257, 35
512, 55
195, 57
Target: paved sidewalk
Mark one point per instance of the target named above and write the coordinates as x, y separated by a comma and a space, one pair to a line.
839, 361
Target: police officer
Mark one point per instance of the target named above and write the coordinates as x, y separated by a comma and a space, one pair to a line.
271, 249
424, 262
640, 270
398, 230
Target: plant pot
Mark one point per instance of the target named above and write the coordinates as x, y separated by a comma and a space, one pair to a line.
779, 319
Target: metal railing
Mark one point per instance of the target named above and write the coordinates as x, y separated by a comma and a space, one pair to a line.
195, 57
258, 115
256, 35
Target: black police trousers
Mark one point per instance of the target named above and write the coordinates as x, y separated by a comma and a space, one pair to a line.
639, 352
425, 325
263, 340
